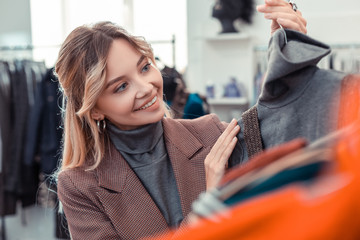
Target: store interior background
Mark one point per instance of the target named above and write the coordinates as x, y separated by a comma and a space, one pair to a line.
183, 34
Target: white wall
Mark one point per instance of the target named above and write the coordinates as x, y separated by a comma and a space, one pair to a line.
15, 27
156, 20
330, 21
159, 20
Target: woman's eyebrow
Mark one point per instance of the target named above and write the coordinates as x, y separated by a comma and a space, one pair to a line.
140, 60
111, 82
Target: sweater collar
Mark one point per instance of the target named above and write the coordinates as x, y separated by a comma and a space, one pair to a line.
284, 58
181, 143
137, 141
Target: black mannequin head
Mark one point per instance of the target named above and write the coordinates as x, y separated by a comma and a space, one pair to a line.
227, 11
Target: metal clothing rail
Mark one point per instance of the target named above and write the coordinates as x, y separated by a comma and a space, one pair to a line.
16, 48
25, 47
263, 48
345, 46
173, 44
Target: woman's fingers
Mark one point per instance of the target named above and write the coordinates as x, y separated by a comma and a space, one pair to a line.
281, 12
223, 141
226, 144
284, 12
288, 20
277, 2
286, 23
216, 160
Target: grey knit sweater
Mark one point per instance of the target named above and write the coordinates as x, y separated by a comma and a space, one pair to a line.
298, 99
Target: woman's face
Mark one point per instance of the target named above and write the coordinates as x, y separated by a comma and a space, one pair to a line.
134, 89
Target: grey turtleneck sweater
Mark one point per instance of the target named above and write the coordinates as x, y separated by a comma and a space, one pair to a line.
145, 151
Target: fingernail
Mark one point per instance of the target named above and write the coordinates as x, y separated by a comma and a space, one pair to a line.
267, 15
260, 7
280, 20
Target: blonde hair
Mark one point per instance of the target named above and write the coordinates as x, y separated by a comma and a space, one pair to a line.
81, 70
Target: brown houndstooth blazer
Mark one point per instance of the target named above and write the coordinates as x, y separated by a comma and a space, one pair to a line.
111, 203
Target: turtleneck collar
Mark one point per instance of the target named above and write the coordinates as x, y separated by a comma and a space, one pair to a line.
285, 59
137, 141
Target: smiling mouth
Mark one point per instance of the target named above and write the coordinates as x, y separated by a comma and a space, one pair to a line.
149, 104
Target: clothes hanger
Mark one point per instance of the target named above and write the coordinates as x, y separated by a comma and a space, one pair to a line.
283, 30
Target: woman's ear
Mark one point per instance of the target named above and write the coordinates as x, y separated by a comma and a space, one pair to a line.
96, 114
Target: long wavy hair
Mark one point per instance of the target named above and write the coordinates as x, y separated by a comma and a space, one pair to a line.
81, 70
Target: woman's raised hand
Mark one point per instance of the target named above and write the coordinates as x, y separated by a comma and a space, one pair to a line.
217, 160
281, 12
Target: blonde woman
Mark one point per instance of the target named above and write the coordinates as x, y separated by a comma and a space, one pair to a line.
128, 169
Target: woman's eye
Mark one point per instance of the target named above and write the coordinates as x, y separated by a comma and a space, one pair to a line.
146, 68
121, 88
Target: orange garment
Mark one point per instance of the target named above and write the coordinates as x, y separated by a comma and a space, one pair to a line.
327, 209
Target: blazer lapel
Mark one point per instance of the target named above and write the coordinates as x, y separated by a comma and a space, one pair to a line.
125, 200
187, 157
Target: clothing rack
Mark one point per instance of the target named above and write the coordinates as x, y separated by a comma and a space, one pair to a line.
35, 76
25, 47
263, 48
345, 46
16, 48
30, 47
28, 52
173, 45
2, 217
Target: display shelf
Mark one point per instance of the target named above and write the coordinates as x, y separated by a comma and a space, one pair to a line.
228, 101
227, 37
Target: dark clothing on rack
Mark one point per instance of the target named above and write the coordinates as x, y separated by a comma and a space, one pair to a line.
44, 134
22, 180
19, 181
44, 128
196, 106
182, 103
5, 135
171, 79
30, 124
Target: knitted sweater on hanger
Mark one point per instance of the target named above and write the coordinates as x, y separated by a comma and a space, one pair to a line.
298, 99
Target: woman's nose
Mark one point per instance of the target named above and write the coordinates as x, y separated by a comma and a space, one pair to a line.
144, 88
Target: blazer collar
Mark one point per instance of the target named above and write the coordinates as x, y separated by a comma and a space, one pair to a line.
187, 157
177, 134
113, 169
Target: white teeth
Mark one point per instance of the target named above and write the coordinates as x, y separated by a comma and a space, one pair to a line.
148, 104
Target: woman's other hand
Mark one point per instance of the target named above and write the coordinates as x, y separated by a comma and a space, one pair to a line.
281, 12
217, 160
